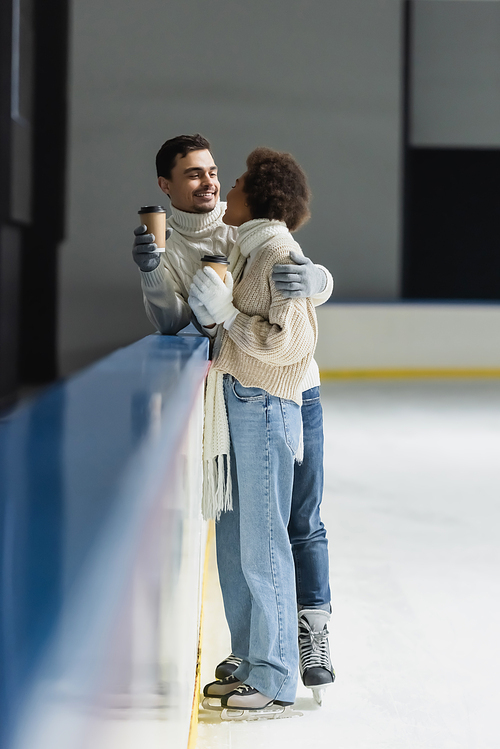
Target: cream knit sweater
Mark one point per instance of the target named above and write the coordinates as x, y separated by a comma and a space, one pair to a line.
271, 342
269, 345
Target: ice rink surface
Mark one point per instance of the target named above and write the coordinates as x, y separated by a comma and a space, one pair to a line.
412, 508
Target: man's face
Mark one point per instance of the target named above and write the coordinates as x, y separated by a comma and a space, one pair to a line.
193, 186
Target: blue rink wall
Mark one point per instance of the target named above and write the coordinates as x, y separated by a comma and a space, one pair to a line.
102, 538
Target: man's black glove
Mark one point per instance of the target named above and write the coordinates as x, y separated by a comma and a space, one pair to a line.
144, 251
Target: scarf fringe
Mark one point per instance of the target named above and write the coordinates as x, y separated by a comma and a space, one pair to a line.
299, 455
217, 494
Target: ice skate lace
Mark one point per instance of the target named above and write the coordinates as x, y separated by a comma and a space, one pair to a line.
229, 679
244, 689
314, 650
233, 659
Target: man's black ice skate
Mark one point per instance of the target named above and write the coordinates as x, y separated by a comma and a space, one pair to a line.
213, 692
316, 668
227, 666
247, 703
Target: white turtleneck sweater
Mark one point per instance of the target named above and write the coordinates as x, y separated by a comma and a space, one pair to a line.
166, 288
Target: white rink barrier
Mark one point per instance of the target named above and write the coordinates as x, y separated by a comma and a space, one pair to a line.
408, 339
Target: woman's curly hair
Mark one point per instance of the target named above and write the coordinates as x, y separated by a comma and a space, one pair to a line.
276, 188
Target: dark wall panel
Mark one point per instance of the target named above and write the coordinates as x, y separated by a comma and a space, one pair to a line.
33, 87
452, 228
38, 355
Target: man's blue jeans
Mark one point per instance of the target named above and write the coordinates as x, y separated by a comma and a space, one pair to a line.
254, 555
307, 532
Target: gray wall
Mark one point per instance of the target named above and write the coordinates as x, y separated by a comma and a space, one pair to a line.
456, 73
320, 79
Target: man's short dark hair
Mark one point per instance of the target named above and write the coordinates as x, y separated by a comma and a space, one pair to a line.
276, 187
180, 145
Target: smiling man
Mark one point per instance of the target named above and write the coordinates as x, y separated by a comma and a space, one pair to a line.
187, 174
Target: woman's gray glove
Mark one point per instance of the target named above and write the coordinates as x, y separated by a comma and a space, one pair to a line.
304, 279
144, 250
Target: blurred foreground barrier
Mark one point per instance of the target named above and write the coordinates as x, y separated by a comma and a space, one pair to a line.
102, 544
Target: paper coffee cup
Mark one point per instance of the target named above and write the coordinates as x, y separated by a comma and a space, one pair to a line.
155, 218
218, 262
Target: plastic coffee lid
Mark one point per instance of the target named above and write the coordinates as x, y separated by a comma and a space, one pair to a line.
215, 259
152, 209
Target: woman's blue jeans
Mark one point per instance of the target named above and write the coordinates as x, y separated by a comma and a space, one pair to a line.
254, 555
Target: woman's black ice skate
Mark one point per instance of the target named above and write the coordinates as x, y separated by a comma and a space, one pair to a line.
247, 703
316, 668
213, 692
227, 666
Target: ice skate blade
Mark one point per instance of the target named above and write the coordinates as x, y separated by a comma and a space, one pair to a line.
211, 703
273, 712
319, 691
318, 695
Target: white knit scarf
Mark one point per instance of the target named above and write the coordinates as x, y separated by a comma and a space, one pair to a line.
257, 232
217, 489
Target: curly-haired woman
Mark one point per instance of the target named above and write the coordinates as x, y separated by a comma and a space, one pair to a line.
262, 356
